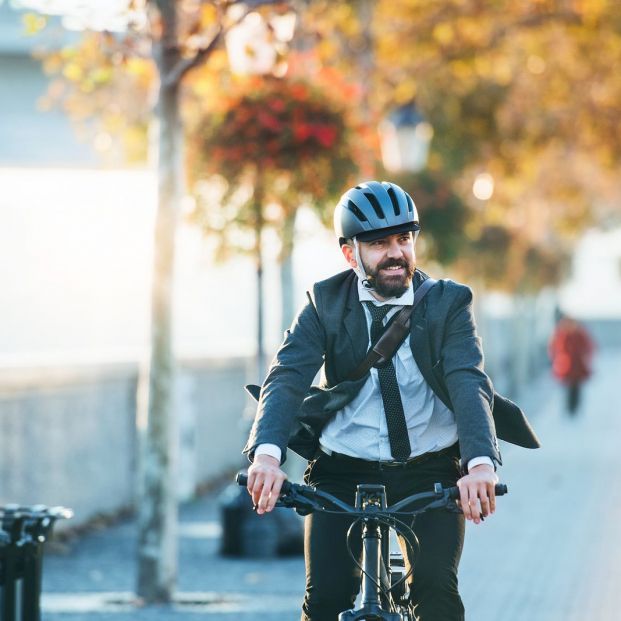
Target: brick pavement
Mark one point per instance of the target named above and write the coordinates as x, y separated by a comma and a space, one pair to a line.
551, 553
553, 550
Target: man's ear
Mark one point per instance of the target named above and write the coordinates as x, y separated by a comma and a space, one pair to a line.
349, 254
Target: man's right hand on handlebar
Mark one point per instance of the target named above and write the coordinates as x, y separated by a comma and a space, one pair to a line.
265, 478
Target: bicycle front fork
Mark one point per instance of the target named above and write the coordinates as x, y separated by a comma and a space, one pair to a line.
371, 606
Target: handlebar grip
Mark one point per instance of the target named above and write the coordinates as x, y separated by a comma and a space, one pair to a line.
501, 490
242, 480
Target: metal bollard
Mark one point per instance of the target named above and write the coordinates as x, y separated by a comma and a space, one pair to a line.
23, 531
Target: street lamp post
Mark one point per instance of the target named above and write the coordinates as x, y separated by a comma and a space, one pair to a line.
405, 137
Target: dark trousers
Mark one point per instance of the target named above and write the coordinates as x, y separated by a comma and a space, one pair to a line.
333, 581
573, 397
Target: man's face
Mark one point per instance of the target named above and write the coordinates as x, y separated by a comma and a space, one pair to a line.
389, 263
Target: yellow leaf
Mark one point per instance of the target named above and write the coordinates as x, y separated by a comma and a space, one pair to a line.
137, 66
326, 49
405, 91
73, 72
462, 69
484, 66
209, 16
443, 33
593, 10
101, 75
502, 71
34, 23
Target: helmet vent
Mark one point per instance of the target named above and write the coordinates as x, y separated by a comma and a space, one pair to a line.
356, 211
393, 198
379, 212
410, 203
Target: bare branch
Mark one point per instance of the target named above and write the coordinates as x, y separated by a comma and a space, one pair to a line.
187, 64
183, 66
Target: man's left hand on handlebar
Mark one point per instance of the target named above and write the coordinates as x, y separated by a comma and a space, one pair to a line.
477, 494
265, 478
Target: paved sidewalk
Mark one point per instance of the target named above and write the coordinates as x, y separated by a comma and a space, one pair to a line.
552, 552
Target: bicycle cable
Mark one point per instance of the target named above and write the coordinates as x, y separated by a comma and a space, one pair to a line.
385, 592
409, 545
389, 522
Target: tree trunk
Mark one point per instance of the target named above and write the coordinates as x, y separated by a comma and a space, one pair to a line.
287, 304
157, 512
258, 253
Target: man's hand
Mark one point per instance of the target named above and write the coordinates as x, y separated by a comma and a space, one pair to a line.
477, 493
265, 478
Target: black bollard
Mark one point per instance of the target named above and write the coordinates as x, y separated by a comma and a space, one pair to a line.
23, 531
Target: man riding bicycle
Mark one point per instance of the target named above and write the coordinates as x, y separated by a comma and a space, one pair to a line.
427, 415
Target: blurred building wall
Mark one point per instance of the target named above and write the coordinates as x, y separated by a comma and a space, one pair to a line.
69, 436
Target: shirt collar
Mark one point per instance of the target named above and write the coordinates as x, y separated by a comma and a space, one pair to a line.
364, 295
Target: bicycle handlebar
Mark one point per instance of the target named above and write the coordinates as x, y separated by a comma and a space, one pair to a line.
304, 491
500, 490
242, 480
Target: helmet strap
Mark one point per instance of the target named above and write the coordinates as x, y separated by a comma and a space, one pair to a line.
360, 272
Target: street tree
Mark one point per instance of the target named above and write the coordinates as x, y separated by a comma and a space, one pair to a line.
279, 143
527, 92
499, 84
161, 43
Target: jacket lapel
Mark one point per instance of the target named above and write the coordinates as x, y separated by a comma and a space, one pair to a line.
356, 325
420, 344
430, 369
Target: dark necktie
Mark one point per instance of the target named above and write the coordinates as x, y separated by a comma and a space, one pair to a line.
393, 408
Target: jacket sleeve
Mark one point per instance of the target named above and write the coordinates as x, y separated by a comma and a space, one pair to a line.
290, 376
470, 389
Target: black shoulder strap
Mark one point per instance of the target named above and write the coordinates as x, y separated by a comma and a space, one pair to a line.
394, 334
386, 345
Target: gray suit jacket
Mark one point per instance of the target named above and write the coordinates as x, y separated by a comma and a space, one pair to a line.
331, 330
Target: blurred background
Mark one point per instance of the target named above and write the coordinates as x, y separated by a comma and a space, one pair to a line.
168, 172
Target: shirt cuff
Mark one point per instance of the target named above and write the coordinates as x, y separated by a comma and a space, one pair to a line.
273, 450
477, 461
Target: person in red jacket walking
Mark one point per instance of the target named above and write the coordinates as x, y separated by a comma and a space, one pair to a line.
571, 351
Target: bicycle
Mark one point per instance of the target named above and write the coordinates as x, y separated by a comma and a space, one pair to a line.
385, 592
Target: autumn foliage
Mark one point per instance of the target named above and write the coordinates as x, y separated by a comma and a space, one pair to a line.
528, 92
282, 127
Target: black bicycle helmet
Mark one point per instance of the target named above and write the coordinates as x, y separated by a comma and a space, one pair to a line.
374, 209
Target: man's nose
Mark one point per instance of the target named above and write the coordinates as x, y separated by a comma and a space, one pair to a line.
394, 249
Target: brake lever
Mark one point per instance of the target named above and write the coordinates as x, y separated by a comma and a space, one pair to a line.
293, 500
450, 504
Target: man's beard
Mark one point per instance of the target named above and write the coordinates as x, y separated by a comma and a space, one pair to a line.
390, 286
